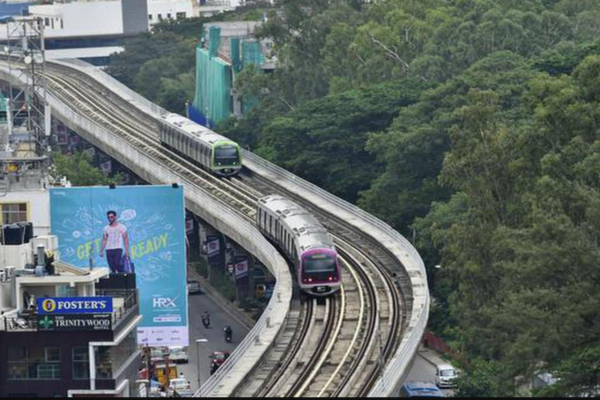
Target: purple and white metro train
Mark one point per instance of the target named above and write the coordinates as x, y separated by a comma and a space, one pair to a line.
305, 242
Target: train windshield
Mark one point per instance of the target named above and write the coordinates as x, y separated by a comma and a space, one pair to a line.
319, 263
226, 155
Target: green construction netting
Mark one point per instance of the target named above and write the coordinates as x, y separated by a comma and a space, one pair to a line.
214, 76
252, 54
213, 82
2, 107
236, 59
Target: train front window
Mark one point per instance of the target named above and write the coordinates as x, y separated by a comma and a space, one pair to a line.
226, 155
319, 268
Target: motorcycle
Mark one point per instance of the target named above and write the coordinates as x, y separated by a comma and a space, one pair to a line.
228, 334
206, 321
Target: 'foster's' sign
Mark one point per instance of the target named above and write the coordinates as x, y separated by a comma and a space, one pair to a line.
75, 305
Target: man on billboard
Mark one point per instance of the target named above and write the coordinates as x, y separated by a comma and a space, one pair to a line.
116, 242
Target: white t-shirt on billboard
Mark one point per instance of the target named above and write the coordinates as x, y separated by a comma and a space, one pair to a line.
114, 236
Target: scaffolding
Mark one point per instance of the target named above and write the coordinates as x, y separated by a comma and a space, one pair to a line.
23, 134
26, 105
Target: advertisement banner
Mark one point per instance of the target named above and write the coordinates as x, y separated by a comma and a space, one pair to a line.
213, 246
75, 305
240, 266
75, 323
130, 229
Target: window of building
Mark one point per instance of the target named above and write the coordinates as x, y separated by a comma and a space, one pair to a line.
181, 15
12, 213
168, 15
160, 17
47, 21
81, 363
150, 17
67, 291
111, 359
52, 354
33, 363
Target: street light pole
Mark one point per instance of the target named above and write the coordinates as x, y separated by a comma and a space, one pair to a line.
198, 341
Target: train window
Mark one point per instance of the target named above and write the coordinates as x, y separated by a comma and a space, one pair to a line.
270, 224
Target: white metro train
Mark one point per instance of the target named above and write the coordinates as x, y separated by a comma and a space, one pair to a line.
305, 242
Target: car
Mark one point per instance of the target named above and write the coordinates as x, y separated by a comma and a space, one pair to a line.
218, 358
159, 354
420, 389
193, 287
445, 376
178, 354
180, 384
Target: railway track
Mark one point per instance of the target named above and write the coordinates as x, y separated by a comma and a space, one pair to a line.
360, 328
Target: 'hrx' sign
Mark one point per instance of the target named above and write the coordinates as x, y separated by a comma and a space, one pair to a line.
75, 305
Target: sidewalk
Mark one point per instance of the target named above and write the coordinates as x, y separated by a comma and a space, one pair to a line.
432, 356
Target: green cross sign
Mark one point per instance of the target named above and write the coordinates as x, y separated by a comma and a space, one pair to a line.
46, 323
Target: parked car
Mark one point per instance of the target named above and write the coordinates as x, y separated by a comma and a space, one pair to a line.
178, 354
445, 376
193, 287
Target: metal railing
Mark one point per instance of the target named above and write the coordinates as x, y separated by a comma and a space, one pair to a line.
107, 80
130, 304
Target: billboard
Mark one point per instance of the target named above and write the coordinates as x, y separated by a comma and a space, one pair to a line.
131, 229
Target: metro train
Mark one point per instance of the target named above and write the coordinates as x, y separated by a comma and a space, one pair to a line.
305, 242
198, 143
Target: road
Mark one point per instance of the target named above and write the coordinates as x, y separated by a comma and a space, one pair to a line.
424, 371
219, 318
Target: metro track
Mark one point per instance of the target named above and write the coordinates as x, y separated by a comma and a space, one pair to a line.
371, 286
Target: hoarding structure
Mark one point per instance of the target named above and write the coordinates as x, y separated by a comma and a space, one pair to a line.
130, 229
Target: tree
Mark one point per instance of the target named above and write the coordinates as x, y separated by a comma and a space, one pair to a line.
77, 168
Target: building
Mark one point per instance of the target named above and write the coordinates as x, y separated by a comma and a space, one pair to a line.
226, 49
89, 30
161, 10
45, 351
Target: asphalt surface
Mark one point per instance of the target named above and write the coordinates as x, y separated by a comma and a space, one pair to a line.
424, 371
219, 318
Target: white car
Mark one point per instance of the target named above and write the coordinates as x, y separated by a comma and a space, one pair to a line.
178, 355
180, 385
445, 376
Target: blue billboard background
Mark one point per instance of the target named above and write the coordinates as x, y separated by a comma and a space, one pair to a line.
155, 220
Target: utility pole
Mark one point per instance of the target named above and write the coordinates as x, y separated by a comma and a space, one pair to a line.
148, 362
